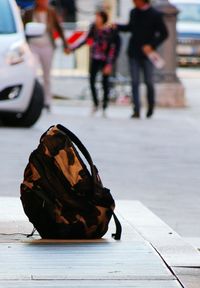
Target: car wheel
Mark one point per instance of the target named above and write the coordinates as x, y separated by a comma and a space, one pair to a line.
31, 115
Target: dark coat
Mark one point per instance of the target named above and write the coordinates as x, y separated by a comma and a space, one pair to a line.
147, 28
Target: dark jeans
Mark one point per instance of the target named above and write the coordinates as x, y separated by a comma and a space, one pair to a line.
95, 67
136, 66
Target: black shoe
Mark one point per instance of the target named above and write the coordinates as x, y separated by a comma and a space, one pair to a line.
150, 113
47, 107
135, 115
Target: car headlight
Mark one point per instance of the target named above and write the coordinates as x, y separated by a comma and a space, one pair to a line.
16, 53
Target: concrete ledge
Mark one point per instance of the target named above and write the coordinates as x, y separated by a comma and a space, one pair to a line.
88, 284
171, 95
148, 253
174, 249
182, 258
13, 220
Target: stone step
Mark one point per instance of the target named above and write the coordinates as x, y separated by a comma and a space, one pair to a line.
150, 254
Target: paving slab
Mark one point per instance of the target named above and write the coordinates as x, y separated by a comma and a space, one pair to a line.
189, 276
87, 284
194, 241
174, 249
82, 261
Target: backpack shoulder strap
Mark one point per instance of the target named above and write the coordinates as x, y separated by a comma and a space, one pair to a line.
118, 233
83, 150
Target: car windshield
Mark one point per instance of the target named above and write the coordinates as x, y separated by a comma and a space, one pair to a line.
7, 24
189, 12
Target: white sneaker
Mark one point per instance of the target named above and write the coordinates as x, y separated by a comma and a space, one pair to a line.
104, 114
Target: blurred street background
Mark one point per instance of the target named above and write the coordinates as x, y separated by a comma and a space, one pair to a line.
156, 161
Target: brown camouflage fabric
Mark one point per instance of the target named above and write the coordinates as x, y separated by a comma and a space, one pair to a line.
58, 192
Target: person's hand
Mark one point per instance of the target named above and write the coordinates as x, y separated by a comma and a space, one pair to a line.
114, 26
107, 70
147, 49
67, 51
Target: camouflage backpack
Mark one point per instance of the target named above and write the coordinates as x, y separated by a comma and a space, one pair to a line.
61, 198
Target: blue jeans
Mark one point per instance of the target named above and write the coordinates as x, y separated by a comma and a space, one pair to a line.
136, 66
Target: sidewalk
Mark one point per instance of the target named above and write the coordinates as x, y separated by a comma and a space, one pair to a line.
150, 254
155, 161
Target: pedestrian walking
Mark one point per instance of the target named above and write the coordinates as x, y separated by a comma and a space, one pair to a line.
104, 40
148, 31
43, 46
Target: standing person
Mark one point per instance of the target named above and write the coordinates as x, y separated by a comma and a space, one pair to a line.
102, 56
43, 46
68, 10
148, 31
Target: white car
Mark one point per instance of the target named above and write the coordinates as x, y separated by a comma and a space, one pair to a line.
21, 95
188, 29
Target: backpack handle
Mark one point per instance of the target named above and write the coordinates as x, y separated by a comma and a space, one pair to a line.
83, 150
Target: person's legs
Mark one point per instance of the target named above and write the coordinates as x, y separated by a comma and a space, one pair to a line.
46, 56
135, 79
148, 79
105, 82
94, 69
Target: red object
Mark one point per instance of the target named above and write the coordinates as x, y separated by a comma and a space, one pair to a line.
74, 37
90, 41
55, 35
